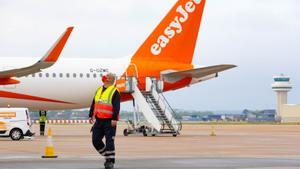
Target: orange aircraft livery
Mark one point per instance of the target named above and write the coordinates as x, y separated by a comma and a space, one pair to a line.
55, 83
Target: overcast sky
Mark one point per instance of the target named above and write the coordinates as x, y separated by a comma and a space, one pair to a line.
260, 36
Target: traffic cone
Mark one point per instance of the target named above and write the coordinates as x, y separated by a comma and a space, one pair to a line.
213, 132
49, 150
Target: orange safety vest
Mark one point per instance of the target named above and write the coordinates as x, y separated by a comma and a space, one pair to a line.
103, 108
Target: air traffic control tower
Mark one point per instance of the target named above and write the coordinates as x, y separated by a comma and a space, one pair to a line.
285, 112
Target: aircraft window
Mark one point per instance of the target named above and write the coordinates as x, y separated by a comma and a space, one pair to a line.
88, 75
53, 75
94, 75
61, 75
74, 75
81, 75
33, 75
40, 75
47, 74
67, 75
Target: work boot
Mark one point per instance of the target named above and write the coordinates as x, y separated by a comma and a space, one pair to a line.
109, 165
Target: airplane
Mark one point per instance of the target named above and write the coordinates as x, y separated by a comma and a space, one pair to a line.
55, 83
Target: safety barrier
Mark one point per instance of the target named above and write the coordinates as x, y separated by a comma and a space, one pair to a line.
64, 121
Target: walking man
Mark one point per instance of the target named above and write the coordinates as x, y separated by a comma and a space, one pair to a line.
105, 110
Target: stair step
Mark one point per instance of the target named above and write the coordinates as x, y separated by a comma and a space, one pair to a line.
165, 119
160, 114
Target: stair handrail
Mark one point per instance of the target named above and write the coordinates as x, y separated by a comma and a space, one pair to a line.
179, 123
166, 105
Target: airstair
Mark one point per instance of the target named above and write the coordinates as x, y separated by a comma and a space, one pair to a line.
158, 113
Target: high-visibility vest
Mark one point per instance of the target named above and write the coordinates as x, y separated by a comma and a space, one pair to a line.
42, 119
103, 107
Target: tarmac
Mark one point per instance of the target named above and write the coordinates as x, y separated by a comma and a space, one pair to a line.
235, 146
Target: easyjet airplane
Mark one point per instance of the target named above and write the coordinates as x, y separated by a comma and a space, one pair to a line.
55, 83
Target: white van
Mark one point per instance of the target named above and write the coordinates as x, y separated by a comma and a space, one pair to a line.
15, 123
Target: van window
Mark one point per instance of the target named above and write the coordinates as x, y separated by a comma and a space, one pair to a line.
27, 118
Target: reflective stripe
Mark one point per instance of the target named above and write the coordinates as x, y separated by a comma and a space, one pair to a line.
104, 106
102, 151
109, 152
106, 112
110, 157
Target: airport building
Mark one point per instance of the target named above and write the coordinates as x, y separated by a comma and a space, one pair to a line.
285, 112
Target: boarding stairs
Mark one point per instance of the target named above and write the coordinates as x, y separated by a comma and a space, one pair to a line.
154, 106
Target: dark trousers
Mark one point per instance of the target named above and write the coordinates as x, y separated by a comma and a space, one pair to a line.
103, 128
42, 128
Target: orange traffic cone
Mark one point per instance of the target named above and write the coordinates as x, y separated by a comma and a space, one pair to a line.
213, 131
49, 150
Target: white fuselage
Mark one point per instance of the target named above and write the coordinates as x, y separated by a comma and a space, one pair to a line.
69, 84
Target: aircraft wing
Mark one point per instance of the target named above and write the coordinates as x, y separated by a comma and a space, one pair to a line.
48, 60
198, 73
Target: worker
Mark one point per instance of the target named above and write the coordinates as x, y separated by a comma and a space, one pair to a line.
104, 114
42, 121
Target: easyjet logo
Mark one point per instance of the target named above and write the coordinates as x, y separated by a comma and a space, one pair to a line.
175, 27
